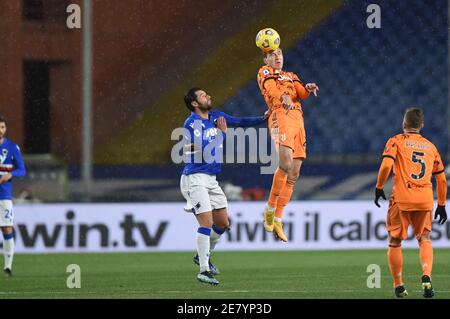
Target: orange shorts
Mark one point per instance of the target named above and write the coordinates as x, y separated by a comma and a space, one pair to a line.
398, 221
289, 130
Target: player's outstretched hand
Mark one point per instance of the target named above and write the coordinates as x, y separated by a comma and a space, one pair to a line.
379, 193
312, 87
222, 124
441, 213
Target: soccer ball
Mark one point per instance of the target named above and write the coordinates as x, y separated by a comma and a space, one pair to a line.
268, 40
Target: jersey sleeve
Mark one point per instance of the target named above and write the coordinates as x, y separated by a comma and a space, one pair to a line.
391, 149
19, 166
438, 166
383, 173
299, 87
242, 121
267, 81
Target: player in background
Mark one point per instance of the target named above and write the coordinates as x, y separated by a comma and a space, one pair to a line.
414, 159
282, 92
198, 182
11, 166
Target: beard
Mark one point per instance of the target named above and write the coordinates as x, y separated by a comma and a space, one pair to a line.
205, 107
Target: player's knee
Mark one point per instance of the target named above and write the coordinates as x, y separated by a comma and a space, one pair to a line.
286, 165
395, 242
424, 236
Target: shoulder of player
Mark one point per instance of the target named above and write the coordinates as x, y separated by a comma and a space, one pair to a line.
11, 145
433, 147
396, 138
216, 114
189, 122
291, 74
265, 71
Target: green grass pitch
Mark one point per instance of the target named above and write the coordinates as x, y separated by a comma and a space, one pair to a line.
259, 275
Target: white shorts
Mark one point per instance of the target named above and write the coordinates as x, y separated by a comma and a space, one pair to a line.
6, 213
202, 193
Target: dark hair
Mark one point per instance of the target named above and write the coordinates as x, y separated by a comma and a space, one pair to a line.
190, 97
414, 118
2, 119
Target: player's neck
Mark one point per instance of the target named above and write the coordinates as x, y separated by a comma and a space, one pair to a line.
202, 114
411, 131
2, 140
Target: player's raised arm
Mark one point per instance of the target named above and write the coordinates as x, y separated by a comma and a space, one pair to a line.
234, 121
302, 90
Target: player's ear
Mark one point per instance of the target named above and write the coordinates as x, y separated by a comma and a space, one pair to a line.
194, 103
422, 125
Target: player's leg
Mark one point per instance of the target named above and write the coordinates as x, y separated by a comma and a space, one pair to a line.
194, 189
285, 197
397, 229
395, 260
8, 249
284, 142
6, 225
221, 223
205, 222
422, 223
278, 183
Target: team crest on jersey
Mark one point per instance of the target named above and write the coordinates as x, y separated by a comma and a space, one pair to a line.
3, 155
266, 72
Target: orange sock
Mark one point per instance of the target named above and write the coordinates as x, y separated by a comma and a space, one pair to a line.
279, 180
395, 259
426, 257
284, 198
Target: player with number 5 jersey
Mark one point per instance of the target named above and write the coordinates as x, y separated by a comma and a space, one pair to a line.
415, 160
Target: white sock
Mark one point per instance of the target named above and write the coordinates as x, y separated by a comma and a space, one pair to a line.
277, 219
203, 246
269, 208
215, 237
8, 251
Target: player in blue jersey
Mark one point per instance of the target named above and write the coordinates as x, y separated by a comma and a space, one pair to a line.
204, 134
11, 166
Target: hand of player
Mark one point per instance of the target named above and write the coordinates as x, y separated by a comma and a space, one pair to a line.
267, 114
221, 124
312, 87
441, 213
5, 178
379, 193
287, 103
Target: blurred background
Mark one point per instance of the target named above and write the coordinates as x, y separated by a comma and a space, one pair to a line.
146, 54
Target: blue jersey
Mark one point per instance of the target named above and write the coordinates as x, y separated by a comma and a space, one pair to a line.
10, 162
206, 133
